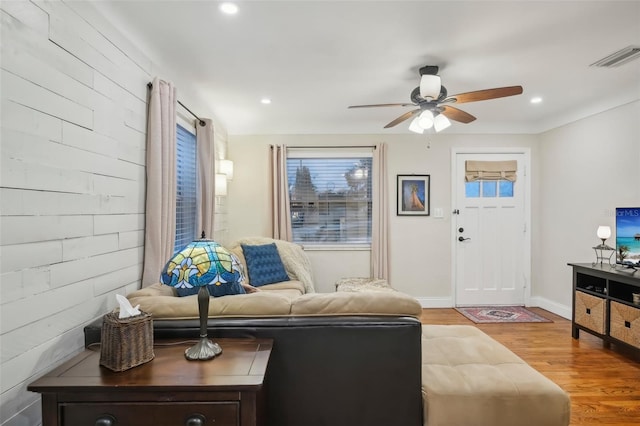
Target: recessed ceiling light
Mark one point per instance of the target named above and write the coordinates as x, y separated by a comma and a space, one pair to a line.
229, 8
265, 101
536, 100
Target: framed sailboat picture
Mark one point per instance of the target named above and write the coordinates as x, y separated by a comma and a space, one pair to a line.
413, 195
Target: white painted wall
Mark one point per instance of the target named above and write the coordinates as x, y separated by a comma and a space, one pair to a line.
73, 93
588, 168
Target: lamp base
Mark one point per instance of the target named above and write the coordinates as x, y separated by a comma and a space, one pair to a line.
203, 350
601, 256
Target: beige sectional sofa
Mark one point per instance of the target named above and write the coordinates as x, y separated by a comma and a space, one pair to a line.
294, 297
281, 299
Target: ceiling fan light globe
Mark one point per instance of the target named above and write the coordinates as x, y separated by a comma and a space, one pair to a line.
430, 86
425, 120
440, 122
415, 127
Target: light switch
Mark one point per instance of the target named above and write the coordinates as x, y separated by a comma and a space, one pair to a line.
438, 212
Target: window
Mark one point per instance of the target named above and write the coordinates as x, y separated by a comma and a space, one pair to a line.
330, 192
490, 179
186, 187
487, 189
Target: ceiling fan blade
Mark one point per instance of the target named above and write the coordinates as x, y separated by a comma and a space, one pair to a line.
379, 105
483, 95
403, 117
457, 114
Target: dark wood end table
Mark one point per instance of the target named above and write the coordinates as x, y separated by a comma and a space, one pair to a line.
167, 391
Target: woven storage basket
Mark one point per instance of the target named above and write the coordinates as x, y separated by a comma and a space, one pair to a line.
625, 323
590, 311
126, 342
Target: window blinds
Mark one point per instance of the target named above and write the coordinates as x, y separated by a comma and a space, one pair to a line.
330, 196
186, 188
491, 170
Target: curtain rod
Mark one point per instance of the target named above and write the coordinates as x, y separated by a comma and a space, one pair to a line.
202, 123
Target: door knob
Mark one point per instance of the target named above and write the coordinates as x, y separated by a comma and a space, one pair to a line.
463, 238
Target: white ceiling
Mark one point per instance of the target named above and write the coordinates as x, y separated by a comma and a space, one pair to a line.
315, 58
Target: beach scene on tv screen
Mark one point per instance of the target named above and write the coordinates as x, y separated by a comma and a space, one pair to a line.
628, 235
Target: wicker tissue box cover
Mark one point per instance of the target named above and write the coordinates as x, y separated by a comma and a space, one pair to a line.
126, 342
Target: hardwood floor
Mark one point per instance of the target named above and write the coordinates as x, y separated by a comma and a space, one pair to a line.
604, 384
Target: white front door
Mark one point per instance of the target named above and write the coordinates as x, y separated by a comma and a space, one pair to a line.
491, 243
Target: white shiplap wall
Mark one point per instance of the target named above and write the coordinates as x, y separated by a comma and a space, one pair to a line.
72, 176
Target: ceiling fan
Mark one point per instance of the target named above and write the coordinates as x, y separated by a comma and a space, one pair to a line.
433, 103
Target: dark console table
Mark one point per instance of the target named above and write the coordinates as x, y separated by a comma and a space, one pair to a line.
167, 391
603, 304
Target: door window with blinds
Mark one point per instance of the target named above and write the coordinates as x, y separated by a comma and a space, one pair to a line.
330, 193
490, 179
185, 188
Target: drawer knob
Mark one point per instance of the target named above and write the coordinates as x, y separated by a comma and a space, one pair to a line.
106, 420
195, 420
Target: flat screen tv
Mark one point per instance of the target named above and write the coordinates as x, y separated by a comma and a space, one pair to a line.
628, 236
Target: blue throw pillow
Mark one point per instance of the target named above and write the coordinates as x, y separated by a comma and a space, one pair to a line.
264, 265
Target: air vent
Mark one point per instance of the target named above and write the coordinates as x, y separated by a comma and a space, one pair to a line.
620, 57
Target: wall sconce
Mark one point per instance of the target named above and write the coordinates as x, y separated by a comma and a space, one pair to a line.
221, 184
226, 167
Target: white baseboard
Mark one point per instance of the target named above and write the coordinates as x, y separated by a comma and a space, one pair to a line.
554, 307
435, 302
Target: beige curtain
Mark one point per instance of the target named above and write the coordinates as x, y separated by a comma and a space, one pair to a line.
490, 170
160, 210
380, 219
280, 216
205, 178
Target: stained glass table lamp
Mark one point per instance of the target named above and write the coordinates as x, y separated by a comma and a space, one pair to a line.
208, 268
